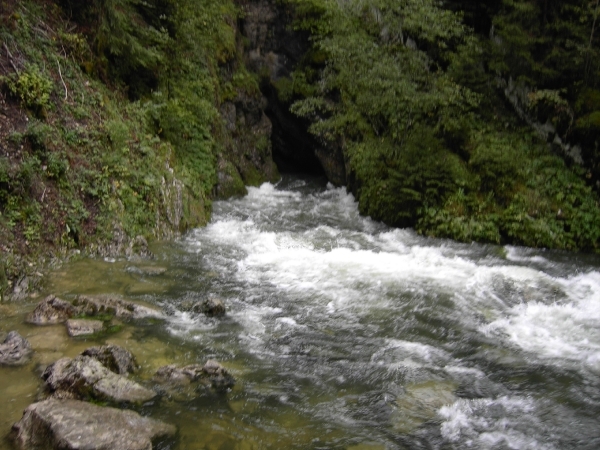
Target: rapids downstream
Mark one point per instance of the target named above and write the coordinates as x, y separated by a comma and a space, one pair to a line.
346, 334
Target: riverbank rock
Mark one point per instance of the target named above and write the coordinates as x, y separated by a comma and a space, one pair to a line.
211, 374
92, 306
51, 310
212, 307
114, 358
83, 327
15, 350
73, 424
86, 378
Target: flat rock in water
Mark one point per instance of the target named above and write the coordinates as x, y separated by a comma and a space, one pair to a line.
83, 327
114, 358
73, 424
15, 350
86, 378
92, 306
51, 310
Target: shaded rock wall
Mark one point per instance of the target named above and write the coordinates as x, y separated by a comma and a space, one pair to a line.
272, 50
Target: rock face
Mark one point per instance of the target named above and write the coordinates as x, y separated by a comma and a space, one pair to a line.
83, 327
86, 378
92, 306
72, 424
15, 350
51, 310
114, 358
211, 307
274, 48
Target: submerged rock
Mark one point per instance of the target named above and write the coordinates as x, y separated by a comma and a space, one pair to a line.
83, 327
15, 350
178, 375
51, 310
114, 358
92, 306
73, 424
212, 374
211, 307
86, 378
219, 376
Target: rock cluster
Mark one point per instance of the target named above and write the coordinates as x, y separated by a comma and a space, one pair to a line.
53, 310
65, 419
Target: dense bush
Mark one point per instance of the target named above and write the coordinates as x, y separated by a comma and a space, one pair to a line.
417, 100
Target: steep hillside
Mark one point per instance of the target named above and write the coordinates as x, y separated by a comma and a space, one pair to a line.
120, 121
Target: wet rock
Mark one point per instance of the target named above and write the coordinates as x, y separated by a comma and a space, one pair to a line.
212, 374
86, 378
114, 358
51, 310
83, 327
219, 376
72, 424
15, 350
92, 306
212, 307
178, 375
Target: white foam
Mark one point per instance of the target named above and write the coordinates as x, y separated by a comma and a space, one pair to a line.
399, 354
566, 332
345, 263
486, 423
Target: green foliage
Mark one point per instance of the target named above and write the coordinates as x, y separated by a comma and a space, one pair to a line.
519, 193
32, 87
406, 88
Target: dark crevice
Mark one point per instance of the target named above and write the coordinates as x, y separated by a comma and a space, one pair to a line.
293, 146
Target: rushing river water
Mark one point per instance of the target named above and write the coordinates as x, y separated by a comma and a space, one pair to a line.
346, 334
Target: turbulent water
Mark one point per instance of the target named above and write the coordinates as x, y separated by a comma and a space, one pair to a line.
346, 334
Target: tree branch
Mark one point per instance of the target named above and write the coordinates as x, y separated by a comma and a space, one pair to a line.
63, 81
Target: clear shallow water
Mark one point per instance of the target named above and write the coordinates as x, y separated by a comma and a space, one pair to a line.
346, 334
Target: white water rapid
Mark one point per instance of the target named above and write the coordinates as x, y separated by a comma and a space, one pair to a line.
347, 334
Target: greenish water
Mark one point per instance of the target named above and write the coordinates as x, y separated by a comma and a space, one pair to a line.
346, 334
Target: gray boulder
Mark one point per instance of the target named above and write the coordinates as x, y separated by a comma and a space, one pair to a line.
114, 358
15, 350
92, 306
51, 310
86, 378
83, 327
72, 424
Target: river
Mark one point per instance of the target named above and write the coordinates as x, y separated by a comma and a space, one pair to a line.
344, 333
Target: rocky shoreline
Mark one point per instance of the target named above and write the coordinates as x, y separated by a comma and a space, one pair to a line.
92, 400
